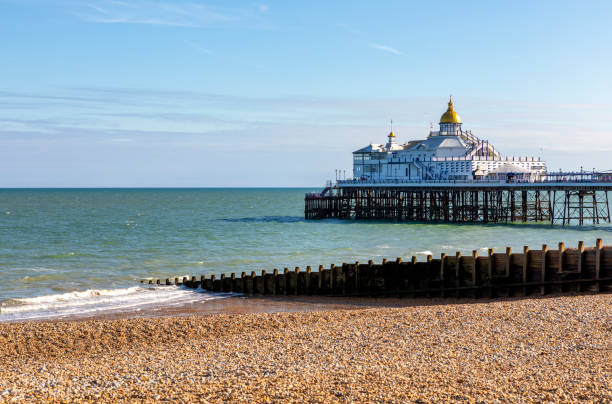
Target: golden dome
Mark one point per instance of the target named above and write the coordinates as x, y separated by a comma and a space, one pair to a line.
391, 134
450, 116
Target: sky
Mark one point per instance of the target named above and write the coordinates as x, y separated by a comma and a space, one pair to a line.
146, 93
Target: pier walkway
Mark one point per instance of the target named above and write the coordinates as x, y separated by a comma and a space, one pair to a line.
562, 198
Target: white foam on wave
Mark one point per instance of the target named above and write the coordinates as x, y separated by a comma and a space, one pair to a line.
101, 301
426, 252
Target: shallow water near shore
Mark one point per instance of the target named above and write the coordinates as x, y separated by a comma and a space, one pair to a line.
70, 250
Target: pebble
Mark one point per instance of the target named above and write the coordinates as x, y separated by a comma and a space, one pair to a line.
552, 349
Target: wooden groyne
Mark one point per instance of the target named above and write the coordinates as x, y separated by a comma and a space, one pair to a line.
543, 271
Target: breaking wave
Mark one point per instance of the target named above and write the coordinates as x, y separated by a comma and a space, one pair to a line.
100, 301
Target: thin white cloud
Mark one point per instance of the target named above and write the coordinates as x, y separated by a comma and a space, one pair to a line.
180, 13
385, 48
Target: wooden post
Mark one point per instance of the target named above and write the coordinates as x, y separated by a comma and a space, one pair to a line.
525, 267
543, 269
598, 251
158, 282
213, 278
252, 282
243, 277
580, 256
490, 263
370, 286
357, 275
508, 261
345, 275
458, 273
442, 267
430, 272
490, 266
474, 278
233, 281
285, 280
275, 281
307, 280
414, 276
561, 257
333, 280
294, 280
202, 279
320, 279
168, 282
397, 275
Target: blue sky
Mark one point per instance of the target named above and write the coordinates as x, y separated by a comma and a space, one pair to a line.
175, 93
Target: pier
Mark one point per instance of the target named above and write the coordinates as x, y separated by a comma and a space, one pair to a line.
560, 198
506, 274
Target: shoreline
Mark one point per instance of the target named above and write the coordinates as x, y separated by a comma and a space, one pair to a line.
234, 305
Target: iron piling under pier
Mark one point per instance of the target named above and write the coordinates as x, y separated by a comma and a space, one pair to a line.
465, 203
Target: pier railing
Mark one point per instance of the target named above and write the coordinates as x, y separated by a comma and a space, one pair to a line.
529, 272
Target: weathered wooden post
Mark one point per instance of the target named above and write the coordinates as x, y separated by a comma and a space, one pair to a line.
158, 282
370, 279
414, 276
580, 264
259, 283
508, 261
357, 285
442, 268
320, 288
561, 257
430, 271
168, 283
233, 285
333, 281
598, 251
243, 277
221, 287
474, 273
251, 283
307, 280
397, 279
285, 280
344, 275
525, 268
543, 269
213, 280
275, 281
294, 280
458, 274
202, 281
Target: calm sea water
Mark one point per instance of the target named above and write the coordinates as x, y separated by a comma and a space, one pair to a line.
70, 251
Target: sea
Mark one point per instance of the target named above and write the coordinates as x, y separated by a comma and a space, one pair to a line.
72, 252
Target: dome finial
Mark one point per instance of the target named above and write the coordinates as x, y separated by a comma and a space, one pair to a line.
391, 134
450, 116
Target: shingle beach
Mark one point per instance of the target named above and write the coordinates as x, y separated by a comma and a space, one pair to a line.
553, 349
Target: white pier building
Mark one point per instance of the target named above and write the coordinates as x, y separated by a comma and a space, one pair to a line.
448, 154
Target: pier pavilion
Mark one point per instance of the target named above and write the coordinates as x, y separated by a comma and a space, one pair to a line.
454, 176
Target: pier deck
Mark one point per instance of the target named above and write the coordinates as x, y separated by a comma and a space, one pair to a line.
581, 201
